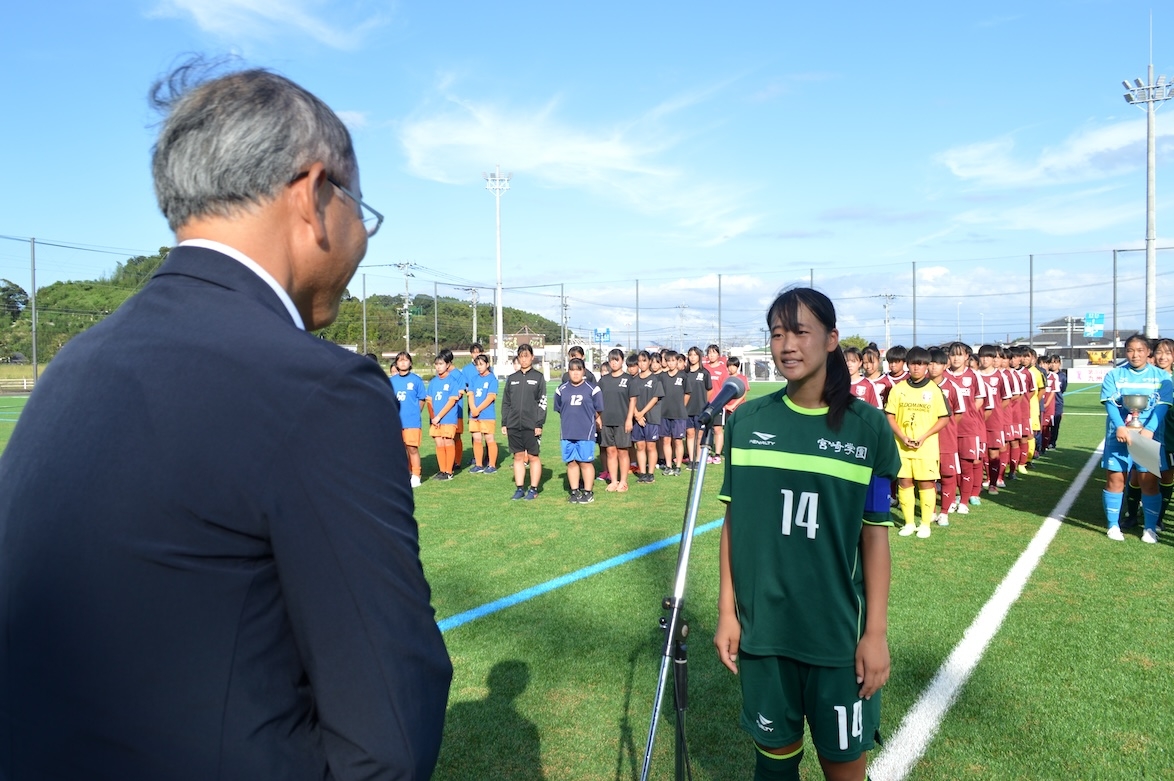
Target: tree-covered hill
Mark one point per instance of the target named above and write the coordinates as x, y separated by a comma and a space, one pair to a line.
65, 309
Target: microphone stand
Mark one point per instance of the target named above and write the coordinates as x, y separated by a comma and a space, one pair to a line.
676, 631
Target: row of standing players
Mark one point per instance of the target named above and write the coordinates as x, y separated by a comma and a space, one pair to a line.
642, 413
963, 421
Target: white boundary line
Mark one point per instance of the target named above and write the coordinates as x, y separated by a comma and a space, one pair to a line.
908, 745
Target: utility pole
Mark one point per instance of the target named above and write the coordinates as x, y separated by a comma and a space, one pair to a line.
498, 184
407, 307
1148, 96
473, 292
364, 314
888, 297
33, 302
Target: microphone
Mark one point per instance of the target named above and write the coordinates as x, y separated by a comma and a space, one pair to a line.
732, 388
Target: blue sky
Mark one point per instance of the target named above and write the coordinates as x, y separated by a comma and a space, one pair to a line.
668, 143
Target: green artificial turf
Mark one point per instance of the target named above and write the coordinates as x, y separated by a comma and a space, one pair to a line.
1077, 683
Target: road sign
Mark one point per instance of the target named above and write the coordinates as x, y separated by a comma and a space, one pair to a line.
603, 335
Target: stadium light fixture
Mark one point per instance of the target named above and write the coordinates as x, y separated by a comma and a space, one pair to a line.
498, 184
1149, 96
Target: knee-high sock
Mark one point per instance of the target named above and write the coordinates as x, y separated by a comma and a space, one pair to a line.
442, 457
986, 466
1112, 504
458, 451
1014, 448
976, 478
949, 487
906, 500
928, 497
1166, 490
966, 482
1132, 500
478, 451
775, 767
1151, 505
492, 455
995, 470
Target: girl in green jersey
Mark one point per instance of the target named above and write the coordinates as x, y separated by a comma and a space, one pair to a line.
803, 608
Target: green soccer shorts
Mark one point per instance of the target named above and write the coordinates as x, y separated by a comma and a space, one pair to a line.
778, 693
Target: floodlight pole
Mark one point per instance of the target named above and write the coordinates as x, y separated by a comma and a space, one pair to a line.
33, 301
498, 184
1150, 94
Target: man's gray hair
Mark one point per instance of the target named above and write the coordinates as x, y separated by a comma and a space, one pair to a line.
234, 141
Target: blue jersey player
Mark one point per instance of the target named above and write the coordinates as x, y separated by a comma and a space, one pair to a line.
580, 406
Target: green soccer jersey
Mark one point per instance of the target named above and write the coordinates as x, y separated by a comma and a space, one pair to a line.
797, 496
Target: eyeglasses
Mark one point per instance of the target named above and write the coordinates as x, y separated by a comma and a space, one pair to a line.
370, 218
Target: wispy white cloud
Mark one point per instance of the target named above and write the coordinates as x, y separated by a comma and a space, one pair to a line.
629, 159
262, 19
786, 85
878, 214
999, 21
1089, 154
355, 120
1065, 214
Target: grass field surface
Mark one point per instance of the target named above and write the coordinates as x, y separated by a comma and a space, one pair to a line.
1077, 683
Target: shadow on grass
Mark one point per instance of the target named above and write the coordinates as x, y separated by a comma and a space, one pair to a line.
489, 738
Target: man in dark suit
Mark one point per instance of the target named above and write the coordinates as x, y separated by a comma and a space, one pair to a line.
209, 565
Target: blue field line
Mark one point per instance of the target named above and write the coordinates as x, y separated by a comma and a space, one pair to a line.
460, 619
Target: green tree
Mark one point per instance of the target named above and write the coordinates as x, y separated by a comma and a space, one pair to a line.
855, 340
13, 298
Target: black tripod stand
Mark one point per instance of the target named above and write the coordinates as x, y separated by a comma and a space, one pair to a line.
676, 631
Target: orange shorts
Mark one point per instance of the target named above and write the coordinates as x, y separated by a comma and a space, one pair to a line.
412, 437
443, 431
482, 426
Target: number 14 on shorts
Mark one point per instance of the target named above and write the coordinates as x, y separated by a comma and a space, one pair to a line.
857, 723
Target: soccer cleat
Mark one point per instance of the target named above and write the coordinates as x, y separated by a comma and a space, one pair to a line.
986, 483
531, 494
953, 507
476, 469
1150, 536
489, 470
943, 520
993, 490
573, 496
442, 476
907, 529
587, 497
962, 510
518, 494
1115, 534
923, 531
1001, 484
975, 501
415, 481
1128, 521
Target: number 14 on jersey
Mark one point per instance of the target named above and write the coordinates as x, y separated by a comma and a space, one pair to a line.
804, 515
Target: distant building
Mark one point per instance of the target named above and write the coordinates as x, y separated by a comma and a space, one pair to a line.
1065, 337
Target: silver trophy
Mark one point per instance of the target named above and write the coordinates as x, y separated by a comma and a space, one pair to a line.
1136, 404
